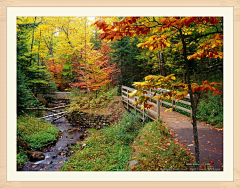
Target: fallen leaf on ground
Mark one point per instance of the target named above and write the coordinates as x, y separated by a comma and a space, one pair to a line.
211, 162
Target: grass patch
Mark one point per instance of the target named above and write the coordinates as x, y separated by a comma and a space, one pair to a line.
36, 132
33, 134
79, 101
108, 149
156, 150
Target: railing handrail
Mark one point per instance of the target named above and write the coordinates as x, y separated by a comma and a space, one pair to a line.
157, 104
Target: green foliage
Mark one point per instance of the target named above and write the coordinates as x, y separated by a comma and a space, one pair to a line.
24, 96
184, 106
96, 41
128, 129
125, 53
108, 149
33, 134
21, 159
31, 78
36, 133
157, 150
80, 101
210, 109
39, 79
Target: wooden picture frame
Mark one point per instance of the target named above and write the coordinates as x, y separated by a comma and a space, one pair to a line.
3, 181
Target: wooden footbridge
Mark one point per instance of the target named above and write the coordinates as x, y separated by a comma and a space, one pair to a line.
157, 111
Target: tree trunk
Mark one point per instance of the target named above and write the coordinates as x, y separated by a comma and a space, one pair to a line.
39, 48
32, 42
86, 59
193, 105
161, 64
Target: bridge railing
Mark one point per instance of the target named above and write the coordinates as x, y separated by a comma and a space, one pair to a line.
156, 103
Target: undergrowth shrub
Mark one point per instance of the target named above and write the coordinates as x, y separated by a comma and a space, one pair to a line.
210, 109
33, 134
157, 150
108, 149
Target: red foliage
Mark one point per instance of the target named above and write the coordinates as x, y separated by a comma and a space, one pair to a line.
98, 71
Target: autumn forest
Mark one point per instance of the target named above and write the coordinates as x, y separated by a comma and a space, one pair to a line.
89, 60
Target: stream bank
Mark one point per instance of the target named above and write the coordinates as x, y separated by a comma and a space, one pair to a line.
72, 133
56, 154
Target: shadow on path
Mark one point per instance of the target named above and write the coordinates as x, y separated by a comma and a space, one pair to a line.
210, 139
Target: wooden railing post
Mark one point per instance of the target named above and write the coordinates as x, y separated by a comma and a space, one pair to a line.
127, 99
161, 104
122, 93
158, 110
127, 103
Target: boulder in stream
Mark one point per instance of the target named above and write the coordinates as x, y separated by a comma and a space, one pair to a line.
36, 156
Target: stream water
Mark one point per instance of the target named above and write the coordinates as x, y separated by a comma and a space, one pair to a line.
57, 154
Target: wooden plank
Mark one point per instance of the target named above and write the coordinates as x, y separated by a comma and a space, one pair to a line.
137, 109
123, 96
124, 87
167, 103
183, 109
154, 104
185, 102
128, 88
129, 102
155, 113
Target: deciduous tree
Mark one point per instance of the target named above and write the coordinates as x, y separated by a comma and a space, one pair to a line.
204, 34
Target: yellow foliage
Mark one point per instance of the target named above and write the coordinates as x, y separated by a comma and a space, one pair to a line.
168, 110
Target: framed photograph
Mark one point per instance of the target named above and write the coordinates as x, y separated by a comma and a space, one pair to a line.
55, 31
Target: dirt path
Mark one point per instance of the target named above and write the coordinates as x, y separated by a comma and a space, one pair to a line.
210, 139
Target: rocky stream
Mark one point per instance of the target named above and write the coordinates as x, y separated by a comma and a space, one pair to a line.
52, 157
